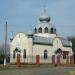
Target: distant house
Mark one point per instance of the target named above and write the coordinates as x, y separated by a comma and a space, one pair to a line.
43, 41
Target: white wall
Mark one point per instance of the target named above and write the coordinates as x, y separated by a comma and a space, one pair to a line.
39, 49
23, 42
58, 44
47, 35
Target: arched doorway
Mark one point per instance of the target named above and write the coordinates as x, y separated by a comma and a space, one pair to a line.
58, 53
16, 54
61, 56
45, 54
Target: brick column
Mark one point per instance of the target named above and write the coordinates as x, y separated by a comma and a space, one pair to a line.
37, 59
18, 60
58, 59
68, 59
71, 60
53, 59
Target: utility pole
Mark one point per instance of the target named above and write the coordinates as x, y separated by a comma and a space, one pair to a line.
5, 44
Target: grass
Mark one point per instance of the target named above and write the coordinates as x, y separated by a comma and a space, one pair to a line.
72, 72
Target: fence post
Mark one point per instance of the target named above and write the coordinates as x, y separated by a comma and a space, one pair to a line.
53, 59
68, 59
37, 59
58, 59
18, 60
71, 60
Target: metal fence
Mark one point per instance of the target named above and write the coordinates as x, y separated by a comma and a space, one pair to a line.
32, 60
62, 60
42, 60
45, 61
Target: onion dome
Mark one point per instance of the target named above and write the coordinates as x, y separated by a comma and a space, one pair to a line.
44, 17
45, 26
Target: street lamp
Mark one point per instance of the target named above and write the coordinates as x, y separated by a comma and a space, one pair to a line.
5, 44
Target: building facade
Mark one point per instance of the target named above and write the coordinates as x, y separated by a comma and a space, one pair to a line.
43, 42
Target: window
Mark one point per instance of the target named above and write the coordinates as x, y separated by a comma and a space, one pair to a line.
40, 30
65, 53
45, 54
35, 30
46, 30
14, 54
55, 30
64, 56
24, 53
52, 30
15, 51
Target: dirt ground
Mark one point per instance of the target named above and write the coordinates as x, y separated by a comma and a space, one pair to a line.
40, 71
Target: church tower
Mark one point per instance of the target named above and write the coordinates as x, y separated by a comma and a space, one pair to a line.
45, 27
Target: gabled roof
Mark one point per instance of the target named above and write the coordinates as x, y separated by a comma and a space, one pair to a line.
42, 40
65, 42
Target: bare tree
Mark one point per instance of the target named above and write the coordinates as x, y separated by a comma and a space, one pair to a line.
2, 48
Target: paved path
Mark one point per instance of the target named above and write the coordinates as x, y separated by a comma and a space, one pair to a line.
39, 71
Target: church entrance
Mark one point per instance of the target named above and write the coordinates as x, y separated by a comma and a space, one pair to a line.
64, 57
16, 55
61, 56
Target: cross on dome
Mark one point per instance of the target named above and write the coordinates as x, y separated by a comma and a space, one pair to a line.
44, 16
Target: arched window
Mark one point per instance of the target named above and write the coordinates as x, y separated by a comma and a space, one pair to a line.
40, 30
52, 30
35, 30
45, 54
55, 30
24, 53
46, 30
14, 54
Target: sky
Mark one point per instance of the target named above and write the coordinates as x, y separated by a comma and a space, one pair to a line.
22, 16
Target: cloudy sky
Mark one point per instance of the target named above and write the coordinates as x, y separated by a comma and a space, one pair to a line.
22, 16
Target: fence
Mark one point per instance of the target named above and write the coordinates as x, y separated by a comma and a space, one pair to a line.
62, 60
32, 60
49, 60
42, 60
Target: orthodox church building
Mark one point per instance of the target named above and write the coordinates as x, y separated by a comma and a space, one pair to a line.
43, 42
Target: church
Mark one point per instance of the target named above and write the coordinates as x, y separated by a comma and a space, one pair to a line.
43, 41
